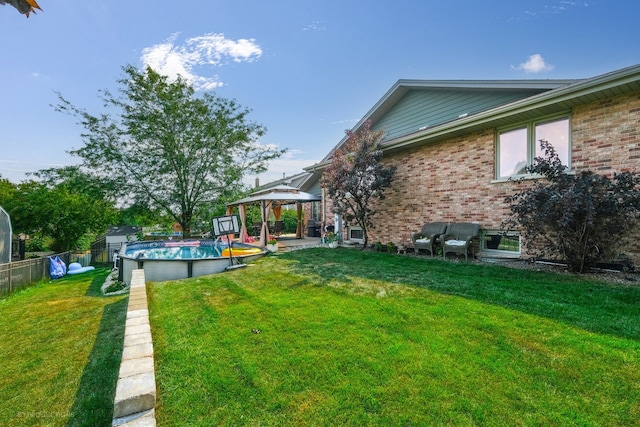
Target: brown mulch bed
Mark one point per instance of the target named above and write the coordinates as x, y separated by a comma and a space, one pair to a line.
625, 278
614, 277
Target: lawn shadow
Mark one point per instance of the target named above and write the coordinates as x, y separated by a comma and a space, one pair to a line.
95, 288
93, 403
592, 306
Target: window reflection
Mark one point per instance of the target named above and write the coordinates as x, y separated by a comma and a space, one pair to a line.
518, 147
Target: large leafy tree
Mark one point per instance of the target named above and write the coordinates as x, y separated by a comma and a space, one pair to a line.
582, 218
102, 190
79, 181
355, 177
168, 148
62, 212
140, 215
65, 205
7, 190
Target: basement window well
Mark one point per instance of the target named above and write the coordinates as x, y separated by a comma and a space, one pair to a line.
499, 243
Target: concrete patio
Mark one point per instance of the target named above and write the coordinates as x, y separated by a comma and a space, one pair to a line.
289, 242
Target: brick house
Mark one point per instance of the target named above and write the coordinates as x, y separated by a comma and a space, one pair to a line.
456, 143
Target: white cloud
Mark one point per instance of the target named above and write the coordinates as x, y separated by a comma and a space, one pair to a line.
212, 49
316, 26
552, 8
535, 64
342, 122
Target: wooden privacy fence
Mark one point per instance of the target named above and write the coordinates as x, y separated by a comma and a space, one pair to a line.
21, 274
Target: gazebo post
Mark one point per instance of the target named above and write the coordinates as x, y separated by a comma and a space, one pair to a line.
299, 226
243, 217
264, 232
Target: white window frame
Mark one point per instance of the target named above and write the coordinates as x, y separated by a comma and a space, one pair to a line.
532, 142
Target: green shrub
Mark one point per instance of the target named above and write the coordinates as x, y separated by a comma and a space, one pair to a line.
582, 218
289, 219
391, 248
35, 244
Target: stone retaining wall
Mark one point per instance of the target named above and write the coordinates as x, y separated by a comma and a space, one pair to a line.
135, 399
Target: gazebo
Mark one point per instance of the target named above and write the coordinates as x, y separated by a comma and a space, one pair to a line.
272, 199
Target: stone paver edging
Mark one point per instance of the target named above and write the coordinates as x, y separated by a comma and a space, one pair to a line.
135, 399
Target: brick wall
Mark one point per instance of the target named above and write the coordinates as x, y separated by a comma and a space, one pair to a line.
452, 180
606, 135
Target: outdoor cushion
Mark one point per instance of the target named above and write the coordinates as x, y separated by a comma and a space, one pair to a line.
428, 236
453, 238
456, 242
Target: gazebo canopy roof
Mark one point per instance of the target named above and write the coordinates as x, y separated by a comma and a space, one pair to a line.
283, 194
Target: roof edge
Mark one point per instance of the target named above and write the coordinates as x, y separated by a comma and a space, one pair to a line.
558, 90
564, 93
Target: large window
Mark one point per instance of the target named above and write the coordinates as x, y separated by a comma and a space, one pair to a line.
517, 147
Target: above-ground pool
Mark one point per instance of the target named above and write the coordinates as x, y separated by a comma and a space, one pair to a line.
164, 260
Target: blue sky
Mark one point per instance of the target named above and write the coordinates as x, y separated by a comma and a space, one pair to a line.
308, 70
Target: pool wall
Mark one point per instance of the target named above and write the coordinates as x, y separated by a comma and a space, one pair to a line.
160, 270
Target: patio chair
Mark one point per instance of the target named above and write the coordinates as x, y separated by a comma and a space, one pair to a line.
278, 228
459, 239
428, 237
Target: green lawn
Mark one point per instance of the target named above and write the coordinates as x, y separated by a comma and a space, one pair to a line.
345, 338
360, 338
60, 353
